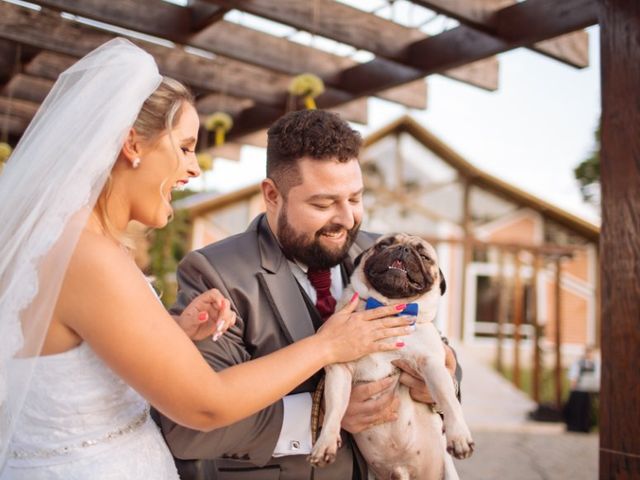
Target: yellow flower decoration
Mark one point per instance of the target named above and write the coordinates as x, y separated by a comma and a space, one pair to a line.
221, 123
5, 151
205, 161
309, 86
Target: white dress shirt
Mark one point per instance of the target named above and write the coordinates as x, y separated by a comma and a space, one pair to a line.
295, 434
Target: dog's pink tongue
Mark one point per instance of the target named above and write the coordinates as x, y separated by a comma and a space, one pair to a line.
397, 264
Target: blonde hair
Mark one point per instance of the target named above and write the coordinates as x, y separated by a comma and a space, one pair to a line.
159, 113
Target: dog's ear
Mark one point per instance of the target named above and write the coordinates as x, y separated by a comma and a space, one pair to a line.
358, 259
443, 283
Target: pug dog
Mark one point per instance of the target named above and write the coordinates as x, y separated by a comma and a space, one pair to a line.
400, 269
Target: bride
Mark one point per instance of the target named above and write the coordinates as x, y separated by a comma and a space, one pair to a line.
84, 342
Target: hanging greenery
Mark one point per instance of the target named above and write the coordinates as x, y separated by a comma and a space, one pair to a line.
220, 123
308, 86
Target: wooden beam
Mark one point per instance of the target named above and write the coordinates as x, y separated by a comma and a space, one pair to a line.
464, 44
159, 17
223, 38
289, 57
537, 20
7, 60
14, 125
571, 48
49, 65
70, 40
336, 21
481, 73
48, 31
354, 111
363, 30
203, 14
18, 108
26, 87
29, 91
619, 246
412, 94
215, 102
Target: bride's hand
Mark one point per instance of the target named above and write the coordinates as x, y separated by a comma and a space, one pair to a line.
351, 335
208, 315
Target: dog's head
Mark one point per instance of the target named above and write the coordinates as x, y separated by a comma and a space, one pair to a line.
400, 266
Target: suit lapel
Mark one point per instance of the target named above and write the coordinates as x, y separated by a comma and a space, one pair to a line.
281, 288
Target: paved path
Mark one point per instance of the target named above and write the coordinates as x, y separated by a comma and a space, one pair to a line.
508, 446
531, 456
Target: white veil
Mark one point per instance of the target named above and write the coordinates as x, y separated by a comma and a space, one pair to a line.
47, 190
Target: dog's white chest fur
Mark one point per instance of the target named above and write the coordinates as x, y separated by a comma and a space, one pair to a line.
413, 444
378, 365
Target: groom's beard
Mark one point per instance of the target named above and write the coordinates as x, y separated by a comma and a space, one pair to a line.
308, 249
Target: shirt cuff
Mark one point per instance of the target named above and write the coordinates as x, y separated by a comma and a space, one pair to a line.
295, 434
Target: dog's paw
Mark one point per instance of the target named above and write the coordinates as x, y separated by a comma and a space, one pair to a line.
325, 449
459, 441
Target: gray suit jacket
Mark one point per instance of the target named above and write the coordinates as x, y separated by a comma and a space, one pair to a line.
252, 272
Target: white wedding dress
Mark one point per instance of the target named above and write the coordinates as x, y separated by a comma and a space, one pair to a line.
81, 421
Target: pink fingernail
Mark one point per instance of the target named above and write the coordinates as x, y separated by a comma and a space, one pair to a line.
355, 295
202, 316
401, 307
399, 344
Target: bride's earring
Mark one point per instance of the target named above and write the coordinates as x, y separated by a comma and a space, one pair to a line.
136, 162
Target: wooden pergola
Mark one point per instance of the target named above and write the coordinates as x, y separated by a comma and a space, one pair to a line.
246, 73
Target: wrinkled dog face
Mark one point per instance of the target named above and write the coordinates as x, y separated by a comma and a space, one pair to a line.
401, 266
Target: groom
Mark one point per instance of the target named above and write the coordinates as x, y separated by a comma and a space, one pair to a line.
282, 277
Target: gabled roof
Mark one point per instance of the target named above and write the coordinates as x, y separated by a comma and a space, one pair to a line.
203, 202
482, 179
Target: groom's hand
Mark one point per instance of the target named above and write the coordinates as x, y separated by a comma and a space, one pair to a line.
370, 404
208, 315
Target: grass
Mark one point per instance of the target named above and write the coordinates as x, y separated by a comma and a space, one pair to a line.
547, 383
547, 387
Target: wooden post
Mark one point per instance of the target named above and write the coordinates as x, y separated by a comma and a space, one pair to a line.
620, 240
502, 310
467, 254
517, 317
558, 334
533, 309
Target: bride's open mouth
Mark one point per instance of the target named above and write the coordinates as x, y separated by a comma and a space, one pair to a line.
179, 186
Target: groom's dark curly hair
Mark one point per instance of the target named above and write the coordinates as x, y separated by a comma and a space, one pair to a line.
316, 134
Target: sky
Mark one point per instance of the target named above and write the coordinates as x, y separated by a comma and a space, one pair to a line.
532, 132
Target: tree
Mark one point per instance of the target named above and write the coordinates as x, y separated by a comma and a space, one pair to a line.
588, 174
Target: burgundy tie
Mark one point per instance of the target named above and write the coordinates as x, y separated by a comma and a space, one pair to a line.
321, 281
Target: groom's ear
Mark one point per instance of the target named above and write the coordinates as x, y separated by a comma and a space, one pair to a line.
271, 194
